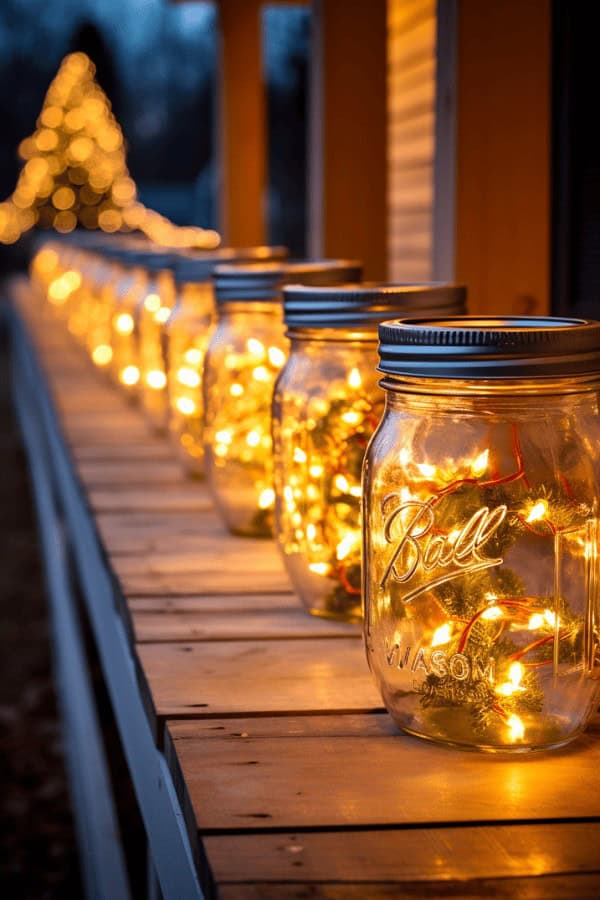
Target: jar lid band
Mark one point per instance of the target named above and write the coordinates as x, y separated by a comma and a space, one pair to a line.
366, 305
264, 281
489, 347
199, 267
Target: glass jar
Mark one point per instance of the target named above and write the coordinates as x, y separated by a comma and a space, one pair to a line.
246, 353
326, 406
80, 303
186, 338
157, 303
100, 309
44, 267
481, 494
129, 290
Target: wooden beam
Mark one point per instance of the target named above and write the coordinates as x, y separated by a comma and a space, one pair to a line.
503, 155
347, 150
242, 137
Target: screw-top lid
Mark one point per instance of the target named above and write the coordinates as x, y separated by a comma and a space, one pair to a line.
489, 347
364, 306
264, 281
198, 267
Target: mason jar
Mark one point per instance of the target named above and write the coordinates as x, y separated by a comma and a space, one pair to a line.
130, 287
481, 496
246, 353
327, 404
81, 302
186, 338
153, 310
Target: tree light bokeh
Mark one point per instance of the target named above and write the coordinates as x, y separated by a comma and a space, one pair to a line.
75, 170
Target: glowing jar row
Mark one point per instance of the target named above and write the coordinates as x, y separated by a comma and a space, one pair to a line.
481, 504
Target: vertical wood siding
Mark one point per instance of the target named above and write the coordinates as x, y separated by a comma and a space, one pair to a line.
411, 83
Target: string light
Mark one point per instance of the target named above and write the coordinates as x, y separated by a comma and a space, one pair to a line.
490, 661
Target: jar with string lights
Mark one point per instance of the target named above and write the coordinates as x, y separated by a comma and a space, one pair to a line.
154, 309
327, 404
44, 268
481, 492
111, 269
80, 302
187, 335
63, 281
246, 353
129, 290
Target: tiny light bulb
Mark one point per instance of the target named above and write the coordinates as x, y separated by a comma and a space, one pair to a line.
130, 375
185, 406
276, 357
480, 463
102, 354
193, 356
188, 377
516, 727
156, 379
441, 635
124, 323
152, 302
492, 613
354, 379
261, 373
255, 346
266, 498
537, 511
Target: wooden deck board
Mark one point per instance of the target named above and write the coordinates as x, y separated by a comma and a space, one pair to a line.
238, 624
560, 887
176, 497
127, 472
378, 777
406, 855
238, 678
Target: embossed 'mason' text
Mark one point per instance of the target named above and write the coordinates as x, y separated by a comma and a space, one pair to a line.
418, 554
458, 666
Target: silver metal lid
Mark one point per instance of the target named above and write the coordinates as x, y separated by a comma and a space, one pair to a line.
199, 266
489, 347
366, 305
264, 281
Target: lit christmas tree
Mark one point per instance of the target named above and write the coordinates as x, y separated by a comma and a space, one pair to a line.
75, 170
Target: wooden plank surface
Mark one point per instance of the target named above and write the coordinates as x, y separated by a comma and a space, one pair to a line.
411, 855
560, 887
155, 449
234, 678
225, 603
236, 624
143, 533
102, 473
192, 496
343, 771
